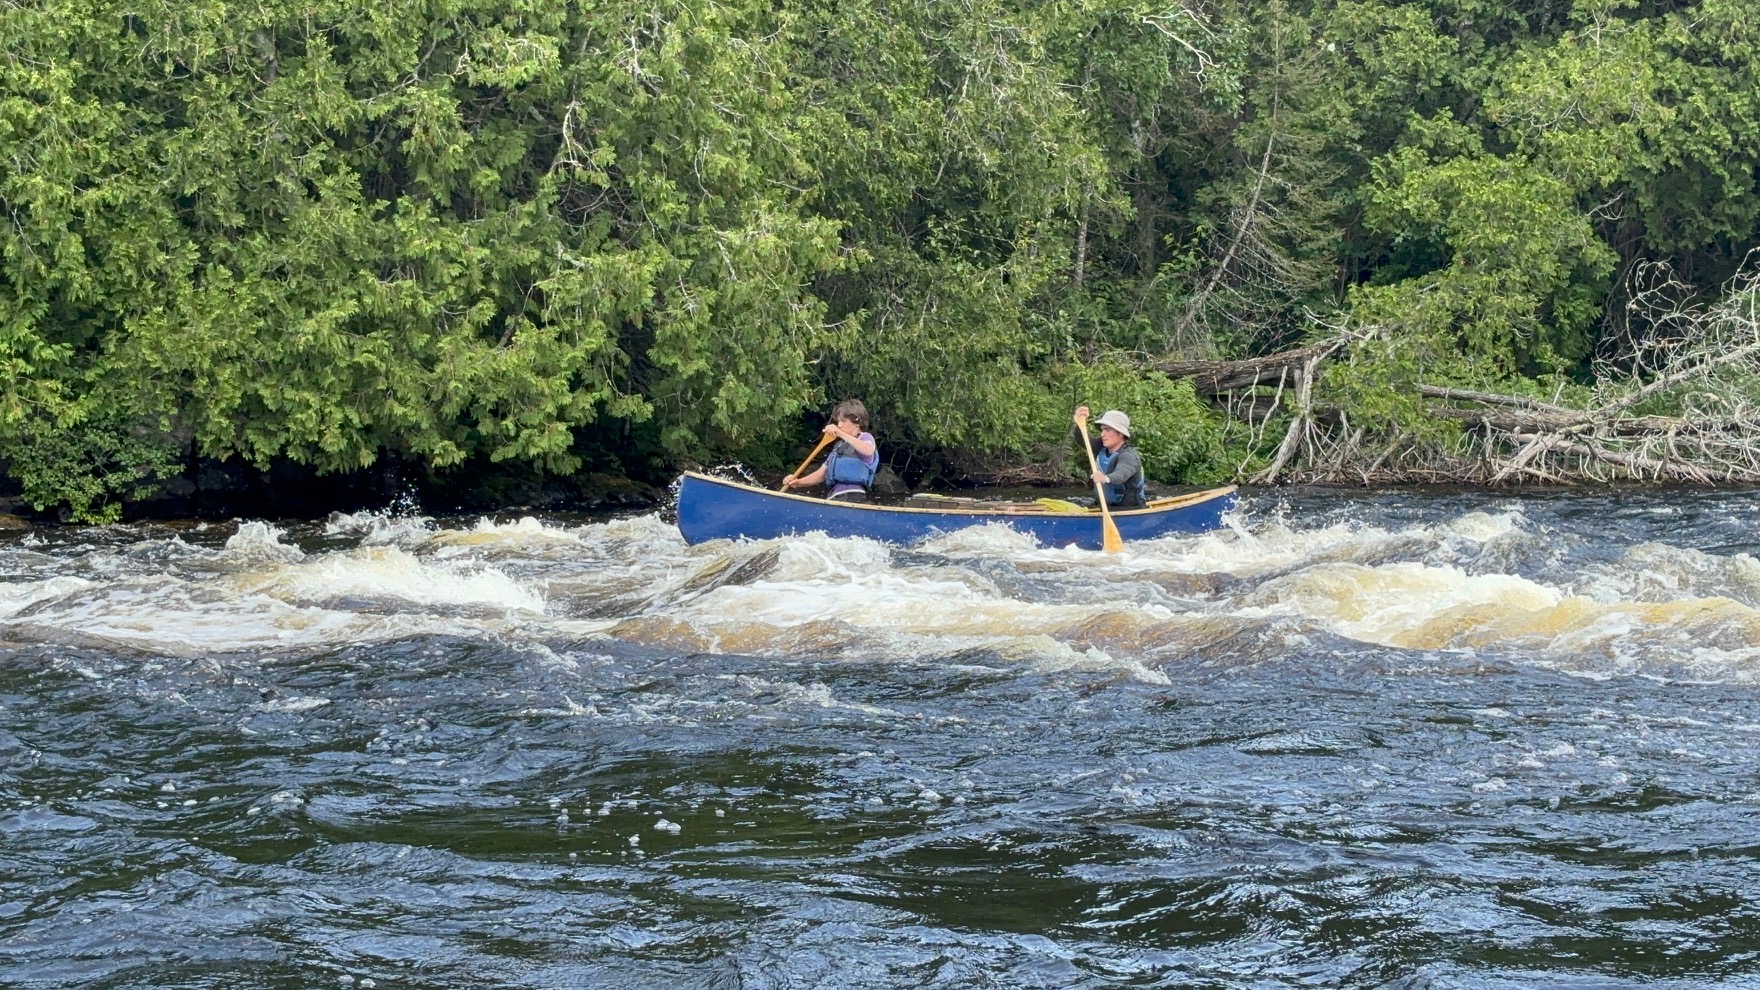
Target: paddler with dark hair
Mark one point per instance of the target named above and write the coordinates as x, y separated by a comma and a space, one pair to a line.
848, 473
1118, 466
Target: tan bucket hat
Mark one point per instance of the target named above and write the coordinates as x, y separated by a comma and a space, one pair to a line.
1117, 420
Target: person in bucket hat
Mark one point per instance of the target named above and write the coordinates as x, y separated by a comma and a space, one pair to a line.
1120, 466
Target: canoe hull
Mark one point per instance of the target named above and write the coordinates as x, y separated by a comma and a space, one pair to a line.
714, 509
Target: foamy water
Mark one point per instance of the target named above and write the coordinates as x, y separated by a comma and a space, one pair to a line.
1439, 584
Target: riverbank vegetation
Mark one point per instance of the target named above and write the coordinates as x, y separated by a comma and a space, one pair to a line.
1429, 240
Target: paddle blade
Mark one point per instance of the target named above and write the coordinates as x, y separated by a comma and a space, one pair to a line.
1112, 541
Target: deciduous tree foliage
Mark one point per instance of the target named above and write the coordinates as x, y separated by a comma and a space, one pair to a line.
456, 230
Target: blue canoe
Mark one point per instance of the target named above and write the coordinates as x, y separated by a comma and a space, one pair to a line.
714, 509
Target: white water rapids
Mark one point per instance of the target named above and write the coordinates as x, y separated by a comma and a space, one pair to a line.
1474, 582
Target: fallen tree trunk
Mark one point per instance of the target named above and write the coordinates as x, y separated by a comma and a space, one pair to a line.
1509, 421
1217, 377
1519, 422
1492, 398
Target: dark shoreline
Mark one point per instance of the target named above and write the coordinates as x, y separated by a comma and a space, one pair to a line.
215, 490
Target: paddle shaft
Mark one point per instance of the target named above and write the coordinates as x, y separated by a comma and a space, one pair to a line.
823, 440
1110, 540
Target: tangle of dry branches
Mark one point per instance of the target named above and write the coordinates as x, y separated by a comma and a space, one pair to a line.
1679, 402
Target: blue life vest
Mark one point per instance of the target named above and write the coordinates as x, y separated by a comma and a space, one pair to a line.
1115, 493
846, 467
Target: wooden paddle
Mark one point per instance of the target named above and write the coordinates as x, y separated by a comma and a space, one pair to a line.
1108, 529
824, 439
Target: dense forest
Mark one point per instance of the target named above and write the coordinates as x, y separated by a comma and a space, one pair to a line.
1495, 240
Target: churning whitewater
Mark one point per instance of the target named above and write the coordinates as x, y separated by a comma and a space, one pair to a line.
1478, 582
1402, 739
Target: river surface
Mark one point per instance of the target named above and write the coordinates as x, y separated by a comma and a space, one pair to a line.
1398, 740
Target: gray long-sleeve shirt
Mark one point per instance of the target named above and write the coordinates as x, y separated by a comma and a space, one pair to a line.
1125, 476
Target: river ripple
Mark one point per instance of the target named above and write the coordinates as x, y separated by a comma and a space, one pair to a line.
1396, 740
